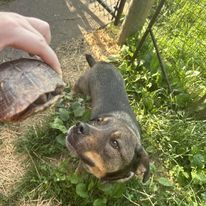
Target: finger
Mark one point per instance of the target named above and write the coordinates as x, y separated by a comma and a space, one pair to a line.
32, 43
41, 26
42, 30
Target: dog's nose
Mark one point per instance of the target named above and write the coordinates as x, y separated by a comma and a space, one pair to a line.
81, 128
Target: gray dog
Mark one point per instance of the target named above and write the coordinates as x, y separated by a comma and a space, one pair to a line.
109, 145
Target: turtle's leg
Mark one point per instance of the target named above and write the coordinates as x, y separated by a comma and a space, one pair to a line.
47, 96
42, 99
58, 90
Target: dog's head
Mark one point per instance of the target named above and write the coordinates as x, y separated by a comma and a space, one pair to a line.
109, 148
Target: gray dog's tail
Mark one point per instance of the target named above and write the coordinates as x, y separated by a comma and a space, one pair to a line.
91, 61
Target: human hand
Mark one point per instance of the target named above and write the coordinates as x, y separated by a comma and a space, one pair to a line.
29, 34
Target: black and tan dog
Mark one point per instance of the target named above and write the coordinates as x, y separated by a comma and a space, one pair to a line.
109, 145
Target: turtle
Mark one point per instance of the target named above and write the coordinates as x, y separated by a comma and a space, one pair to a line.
27, 86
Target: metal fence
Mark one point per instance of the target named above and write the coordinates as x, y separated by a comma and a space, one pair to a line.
113, 8
178, 32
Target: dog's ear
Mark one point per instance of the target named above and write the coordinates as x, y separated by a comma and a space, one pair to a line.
91, 61
143, 167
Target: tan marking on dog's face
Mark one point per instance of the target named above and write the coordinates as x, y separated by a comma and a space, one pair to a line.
116, 134
99, 169
115, 140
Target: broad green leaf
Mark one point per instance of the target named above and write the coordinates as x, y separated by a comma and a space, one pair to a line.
78, 109
64, 114
79, 112
198, 161
113, 58
86, 116
80, 100
75, 105
199, 177
81, 190
68, 96
164, 181
113, 190
74, 179
100, 202
106, 188
118, 190
91, 185
58, 124
61, 139
153, 168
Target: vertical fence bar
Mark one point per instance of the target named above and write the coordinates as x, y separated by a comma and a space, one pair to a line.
101, 2
163, 69
119, 11
151, 23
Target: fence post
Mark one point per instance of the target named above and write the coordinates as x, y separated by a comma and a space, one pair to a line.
135, 19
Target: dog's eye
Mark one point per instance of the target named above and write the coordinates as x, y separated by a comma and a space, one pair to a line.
114, 143
100, 119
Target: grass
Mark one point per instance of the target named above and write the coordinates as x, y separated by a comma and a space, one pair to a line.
51, 172
177, 148
175, 141
180, 34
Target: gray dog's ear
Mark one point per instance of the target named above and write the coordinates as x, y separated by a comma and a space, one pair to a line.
91, 61
143, 164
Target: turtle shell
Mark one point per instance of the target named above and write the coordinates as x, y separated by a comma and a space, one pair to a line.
23, 83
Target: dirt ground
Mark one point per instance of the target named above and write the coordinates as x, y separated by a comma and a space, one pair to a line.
71, 56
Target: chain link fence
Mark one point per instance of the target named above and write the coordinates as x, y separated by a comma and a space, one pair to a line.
177, 30
112, 9
180, 32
